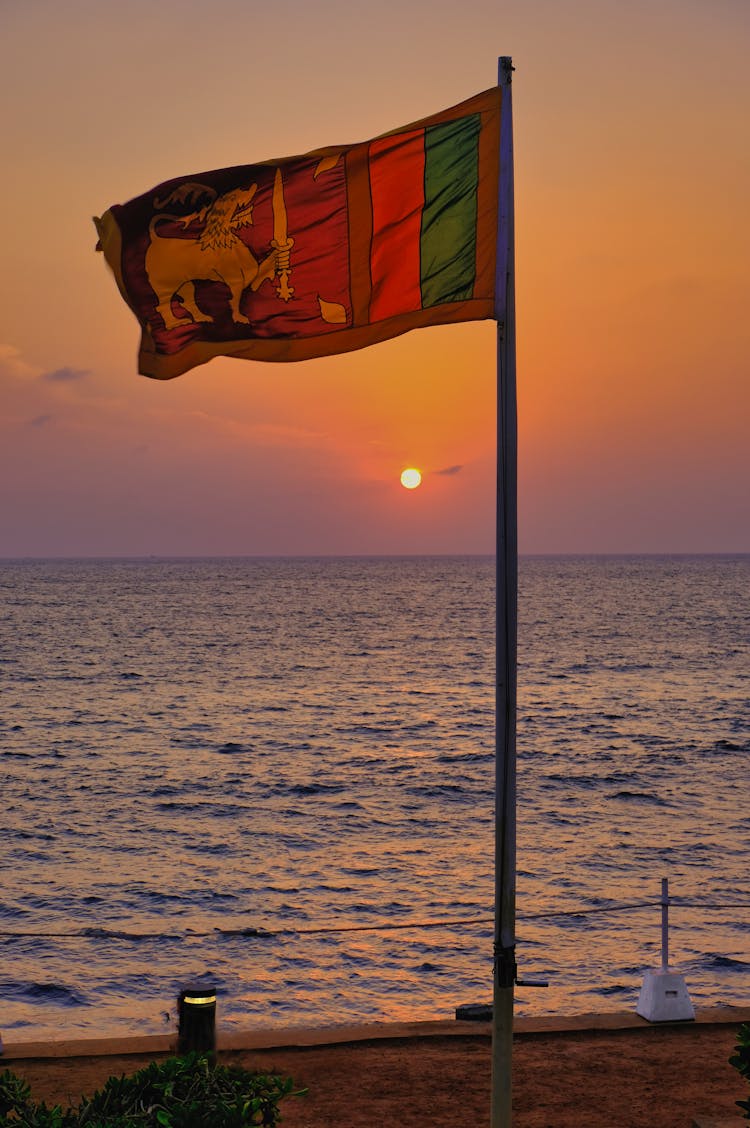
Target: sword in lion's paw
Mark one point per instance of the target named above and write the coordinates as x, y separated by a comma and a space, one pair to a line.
281, 241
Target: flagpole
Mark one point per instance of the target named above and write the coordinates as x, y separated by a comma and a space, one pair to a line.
506, 588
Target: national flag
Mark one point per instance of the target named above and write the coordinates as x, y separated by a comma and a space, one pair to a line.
317, 254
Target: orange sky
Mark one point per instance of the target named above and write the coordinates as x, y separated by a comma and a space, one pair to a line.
632, 189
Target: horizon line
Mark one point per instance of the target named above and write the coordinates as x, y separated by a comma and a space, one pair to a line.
629, 554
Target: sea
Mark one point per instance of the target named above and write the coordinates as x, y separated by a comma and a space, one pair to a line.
275, 778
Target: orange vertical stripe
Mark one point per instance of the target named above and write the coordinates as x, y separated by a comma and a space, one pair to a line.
360, 231
397, 187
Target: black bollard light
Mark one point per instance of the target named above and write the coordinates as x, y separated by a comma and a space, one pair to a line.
196, 1009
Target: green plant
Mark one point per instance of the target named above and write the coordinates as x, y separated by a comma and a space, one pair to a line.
18, 1109
184, 1092
14, 1094
741, 1061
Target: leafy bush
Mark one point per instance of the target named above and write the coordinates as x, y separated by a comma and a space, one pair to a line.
741, 1061
18, 1109
185, 1092
14, 1094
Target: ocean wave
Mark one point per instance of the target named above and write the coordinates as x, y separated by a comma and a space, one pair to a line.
640, 797
724, 963
57, 994
232, 747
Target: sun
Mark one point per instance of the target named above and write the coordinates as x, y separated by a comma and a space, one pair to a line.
410, 478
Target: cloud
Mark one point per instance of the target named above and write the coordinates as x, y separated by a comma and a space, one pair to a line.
65, 375
449, 470
12, 364
40, 420
264, 433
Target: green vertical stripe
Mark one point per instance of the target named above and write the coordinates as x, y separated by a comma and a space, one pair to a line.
449, 220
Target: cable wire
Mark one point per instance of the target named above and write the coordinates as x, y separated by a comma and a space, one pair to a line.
251, 932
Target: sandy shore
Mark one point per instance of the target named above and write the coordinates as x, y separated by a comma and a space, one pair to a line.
587, 1072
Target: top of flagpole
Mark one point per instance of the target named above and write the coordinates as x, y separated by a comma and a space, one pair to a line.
504, 254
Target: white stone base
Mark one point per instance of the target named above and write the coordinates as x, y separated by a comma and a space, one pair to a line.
664, 998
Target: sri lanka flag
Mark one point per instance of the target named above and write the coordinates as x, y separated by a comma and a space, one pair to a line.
313, 255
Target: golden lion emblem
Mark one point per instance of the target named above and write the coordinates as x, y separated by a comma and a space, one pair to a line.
218, 254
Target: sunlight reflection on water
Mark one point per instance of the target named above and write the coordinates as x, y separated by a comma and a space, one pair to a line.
281, 744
